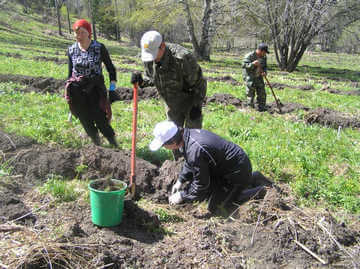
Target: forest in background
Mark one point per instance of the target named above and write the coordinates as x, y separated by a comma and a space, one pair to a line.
290, 27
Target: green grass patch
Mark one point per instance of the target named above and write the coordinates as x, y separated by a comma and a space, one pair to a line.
60, 189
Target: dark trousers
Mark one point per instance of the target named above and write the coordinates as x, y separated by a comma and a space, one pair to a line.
85, 103
227, 187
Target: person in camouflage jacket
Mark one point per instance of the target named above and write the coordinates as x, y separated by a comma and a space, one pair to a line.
174, 71
254, 68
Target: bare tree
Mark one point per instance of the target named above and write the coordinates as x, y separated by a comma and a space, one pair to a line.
118, 36
68, 15
58, 5
293, 24
208, 25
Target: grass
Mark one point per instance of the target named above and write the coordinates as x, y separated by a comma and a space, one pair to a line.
322, 167
61, 190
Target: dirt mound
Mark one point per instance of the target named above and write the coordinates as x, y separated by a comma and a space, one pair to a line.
280, 86
305, 87
341, 92
331, 118
35, 84
285, 108
39, 162
268, 233
281, 232
51, 59
225, 99
168, 174
227, 79
13, 55
126, 94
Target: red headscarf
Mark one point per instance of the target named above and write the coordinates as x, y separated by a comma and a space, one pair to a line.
82, 23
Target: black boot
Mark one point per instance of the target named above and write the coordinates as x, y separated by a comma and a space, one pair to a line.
258, 179
254, 193
112, 141
95, 139
250, 102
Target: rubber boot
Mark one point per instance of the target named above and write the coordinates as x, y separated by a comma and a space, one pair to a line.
250, 102
261, 107
254, 193
112, 141
258, 179
95, 139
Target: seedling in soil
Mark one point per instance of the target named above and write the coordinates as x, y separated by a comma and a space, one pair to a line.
108, 185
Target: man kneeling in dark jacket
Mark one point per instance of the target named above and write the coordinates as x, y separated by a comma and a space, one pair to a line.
214, 168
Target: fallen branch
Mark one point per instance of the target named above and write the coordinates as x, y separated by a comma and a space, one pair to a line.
335, 241
105, 266
11, 142
310, 252
10, 228
257, 223
27, 214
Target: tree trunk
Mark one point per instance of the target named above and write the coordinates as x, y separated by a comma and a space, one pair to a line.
294, 24
191, 29
92, 14
68, 17
202, 50
57, 6
26, 7
118, 36
205, 35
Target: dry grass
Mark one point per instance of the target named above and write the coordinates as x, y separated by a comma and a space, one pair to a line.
24, 247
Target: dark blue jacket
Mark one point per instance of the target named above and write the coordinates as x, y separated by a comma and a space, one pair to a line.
210, 158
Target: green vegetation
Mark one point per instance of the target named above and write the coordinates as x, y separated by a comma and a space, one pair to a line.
61, 190
165, 216
321, 165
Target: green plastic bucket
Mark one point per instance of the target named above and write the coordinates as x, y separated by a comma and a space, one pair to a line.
106, 206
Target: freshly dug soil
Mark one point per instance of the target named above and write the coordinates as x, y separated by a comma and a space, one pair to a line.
331, 118
107, 185
256, 234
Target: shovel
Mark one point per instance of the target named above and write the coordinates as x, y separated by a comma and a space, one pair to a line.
132, 184
278, 103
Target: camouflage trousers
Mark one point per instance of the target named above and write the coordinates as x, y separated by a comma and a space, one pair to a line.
189, 114
256, 87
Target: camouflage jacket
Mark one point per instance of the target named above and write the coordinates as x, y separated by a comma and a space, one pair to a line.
178, 77
250, 71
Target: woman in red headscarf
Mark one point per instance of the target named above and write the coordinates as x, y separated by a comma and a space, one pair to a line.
85, 89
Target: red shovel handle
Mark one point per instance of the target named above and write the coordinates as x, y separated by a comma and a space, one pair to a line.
133, 141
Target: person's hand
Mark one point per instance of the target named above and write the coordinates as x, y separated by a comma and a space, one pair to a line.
175, 199
263, 74
136, 77
176, 187
256, 63
112, 86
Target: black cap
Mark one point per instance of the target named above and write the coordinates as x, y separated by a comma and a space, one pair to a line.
264, 47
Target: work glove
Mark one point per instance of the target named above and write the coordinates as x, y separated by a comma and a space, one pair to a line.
136, 77
176, 187
175, 199
112, 86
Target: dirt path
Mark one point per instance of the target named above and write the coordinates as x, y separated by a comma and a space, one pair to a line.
268, 233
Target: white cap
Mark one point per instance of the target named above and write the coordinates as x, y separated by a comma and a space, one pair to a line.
150, 43
163, 132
